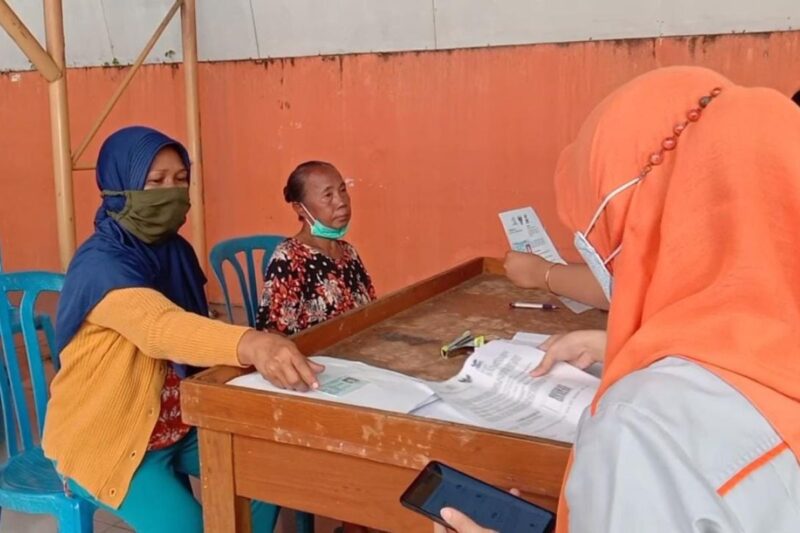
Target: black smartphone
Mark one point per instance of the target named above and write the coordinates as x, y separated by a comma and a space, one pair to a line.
439, 486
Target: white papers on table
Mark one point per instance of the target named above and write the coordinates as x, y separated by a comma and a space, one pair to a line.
494, 390
526, 233
530, 339
355, 383
440, 410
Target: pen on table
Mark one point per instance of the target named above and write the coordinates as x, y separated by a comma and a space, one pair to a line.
527, 305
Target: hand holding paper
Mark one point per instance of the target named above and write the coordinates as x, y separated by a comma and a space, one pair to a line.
527, 235
494, 389
579, 348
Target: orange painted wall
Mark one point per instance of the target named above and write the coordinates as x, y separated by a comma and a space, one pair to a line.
437, 143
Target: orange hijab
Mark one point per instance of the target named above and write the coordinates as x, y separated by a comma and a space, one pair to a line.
709, 268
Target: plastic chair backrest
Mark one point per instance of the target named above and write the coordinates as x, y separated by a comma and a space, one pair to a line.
229, 251
16, 414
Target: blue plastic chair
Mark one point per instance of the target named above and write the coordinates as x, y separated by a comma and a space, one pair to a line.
230, 251
28, 481
42, 322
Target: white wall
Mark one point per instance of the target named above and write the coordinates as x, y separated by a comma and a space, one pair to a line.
109, 31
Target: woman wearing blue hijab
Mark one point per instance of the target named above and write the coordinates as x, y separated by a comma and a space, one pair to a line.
132, 322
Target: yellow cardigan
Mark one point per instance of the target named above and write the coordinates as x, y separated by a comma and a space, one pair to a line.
105, 400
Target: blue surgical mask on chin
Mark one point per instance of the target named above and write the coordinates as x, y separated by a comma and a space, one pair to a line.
595, 263
318, 229
591, 257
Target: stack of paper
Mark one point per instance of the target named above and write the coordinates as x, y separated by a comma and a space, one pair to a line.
494, 390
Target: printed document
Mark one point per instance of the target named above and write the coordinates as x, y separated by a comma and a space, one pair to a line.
494, 390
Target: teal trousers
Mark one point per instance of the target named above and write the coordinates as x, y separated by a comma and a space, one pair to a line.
160, 501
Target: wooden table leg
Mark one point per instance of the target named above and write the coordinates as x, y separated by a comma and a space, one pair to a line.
223, 510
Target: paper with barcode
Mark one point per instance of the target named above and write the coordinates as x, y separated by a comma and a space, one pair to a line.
494, 389
526, 234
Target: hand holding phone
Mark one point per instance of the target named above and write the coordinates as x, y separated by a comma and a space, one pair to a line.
439, 486
458, 522
461, 523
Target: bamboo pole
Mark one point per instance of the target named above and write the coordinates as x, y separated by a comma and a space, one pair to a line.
125, 81
59, 133
29, 45
189, 34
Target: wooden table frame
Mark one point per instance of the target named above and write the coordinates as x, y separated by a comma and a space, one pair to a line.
347, 462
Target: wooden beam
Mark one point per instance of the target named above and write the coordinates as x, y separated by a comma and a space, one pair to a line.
59, 133
125, 81
189, 33
29, 45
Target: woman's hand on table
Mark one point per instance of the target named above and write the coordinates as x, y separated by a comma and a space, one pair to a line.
278, 360
526, 270
579, 348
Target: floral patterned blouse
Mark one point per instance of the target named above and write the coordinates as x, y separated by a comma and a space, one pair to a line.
169, 428
304, 287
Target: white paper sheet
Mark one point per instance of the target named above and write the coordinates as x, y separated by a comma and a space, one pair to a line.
439, 410
494, 390
530, 339
526, 234
355, 383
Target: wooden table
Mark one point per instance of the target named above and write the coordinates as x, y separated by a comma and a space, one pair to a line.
353, 463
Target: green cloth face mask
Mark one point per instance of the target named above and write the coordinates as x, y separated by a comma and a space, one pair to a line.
318, 229
152, 215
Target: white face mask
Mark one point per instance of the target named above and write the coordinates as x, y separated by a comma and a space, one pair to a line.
594, 261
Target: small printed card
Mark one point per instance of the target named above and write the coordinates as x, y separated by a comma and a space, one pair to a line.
341, 385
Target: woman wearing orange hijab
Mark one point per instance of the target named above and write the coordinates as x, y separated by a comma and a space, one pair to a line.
684, 192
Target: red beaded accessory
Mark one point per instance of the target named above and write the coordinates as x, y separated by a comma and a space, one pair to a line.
669, 144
